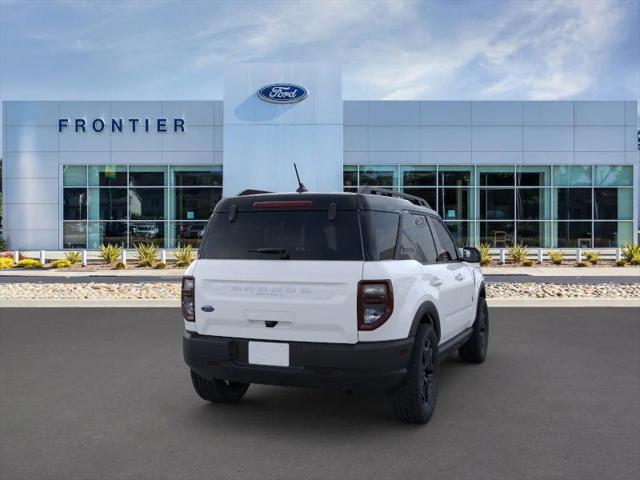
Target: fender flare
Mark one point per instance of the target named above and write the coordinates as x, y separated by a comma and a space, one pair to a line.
426, 309
481, 290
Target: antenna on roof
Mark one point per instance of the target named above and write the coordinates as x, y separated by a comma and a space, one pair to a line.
301, 188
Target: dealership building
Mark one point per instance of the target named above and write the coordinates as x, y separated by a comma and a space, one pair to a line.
552, 174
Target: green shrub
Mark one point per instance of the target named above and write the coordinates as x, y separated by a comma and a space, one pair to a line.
120, 266
485, 254
621, 263
592, 257
29, 263
6, 262
635, 262
110, 252
527, 263
73, 257
631, 252
582, 263
518, 253
184, 255
161, 266
3, 245
147, 254
556, 256
61, 263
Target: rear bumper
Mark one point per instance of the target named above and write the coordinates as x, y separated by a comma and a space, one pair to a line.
371, 365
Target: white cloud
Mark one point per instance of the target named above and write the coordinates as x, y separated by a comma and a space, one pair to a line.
527, 49
388, 49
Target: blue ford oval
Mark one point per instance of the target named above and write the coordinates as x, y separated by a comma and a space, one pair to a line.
283, 93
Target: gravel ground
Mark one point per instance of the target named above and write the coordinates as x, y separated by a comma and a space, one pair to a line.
558, 290
171, 290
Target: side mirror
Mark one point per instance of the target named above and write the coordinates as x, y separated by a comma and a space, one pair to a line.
471, 255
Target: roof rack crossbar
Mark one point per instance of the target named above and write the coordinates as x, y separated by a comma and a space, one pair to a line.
392, 193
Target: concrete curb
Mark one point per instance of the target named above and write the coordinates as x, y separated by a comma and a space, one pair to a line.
493, 303
82, 303
563, 302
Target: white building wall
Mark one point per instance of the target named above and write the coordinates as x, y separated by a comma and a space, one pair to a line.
34, 153
492, 132
262, 140
470, 132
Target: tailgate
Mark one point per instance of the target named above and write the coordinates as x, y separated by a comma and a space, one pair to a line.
305, 301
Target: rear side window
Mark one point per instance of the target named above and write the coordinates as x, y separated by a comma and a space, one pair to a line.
381, 233
284, 235
425, 246
447, 251
415, 241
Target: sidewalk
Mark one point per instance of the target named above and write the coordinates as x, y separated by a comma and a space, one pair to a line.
34, 272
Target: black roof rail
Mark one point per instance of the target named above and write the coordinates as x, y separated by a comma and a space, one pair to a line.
392, 193
251, 191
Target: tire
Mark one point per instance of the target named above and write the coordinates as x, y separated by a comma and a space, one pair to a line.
218, 391
415, 400
474, 350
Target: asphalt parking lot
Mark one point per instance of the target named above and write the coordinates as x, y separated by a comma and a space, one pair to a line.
103, 394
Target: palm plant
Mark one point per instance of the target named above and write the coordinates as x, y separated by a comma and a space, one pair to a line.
73, 257
556, 256
184, 255
592, 257
109, 252
518, 253
485, 253
147, 254
631, 253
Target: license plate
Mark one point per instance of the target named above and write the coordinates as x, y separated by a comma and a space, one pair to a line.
269, 353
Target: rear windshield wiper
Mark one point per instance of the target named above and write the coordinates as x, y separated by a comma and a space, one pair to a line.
284, 254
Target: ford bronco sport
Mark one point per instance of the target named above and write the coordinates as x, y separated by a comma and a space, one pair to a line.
343, 290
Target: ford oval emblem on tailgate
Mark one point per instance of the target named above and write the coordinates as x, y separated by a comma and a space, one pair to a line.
207, 308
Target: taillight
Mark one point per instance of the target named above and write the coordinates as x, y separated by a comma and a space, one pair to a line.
375, 303
286, 204
188, 299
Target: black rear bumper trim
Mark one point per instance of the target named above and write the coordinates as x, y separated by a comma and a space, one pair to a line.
365, 365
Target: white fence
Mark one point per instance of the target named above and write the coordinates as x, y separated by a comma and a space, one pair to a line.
87, 255
498, 255
571, 255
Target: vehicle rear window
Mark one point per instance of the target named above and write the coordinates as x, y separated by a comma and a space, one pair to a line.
284, 235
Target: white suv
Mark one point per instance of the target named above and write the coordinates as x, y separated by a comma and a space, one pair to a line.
344, 290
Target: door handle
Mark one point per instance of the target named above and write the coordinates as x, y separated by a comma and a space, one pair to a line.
436, 282
459, 277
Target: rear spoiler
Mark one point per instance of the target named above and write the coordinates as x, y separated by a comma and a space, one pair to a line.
251, 191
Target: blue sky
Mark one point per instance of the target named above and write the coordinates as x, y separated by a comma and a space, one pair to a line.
452, 49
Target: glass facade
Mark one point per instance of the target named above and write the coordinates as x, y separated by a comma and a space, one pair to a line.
127, 205
550, 206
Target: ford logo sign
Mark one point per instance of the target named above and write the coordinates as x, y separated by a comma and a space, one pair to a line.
283, 93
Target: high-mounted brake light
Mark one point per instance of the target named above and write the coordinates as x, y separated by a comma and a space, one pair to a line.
375, 303
188, 299
284, 204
